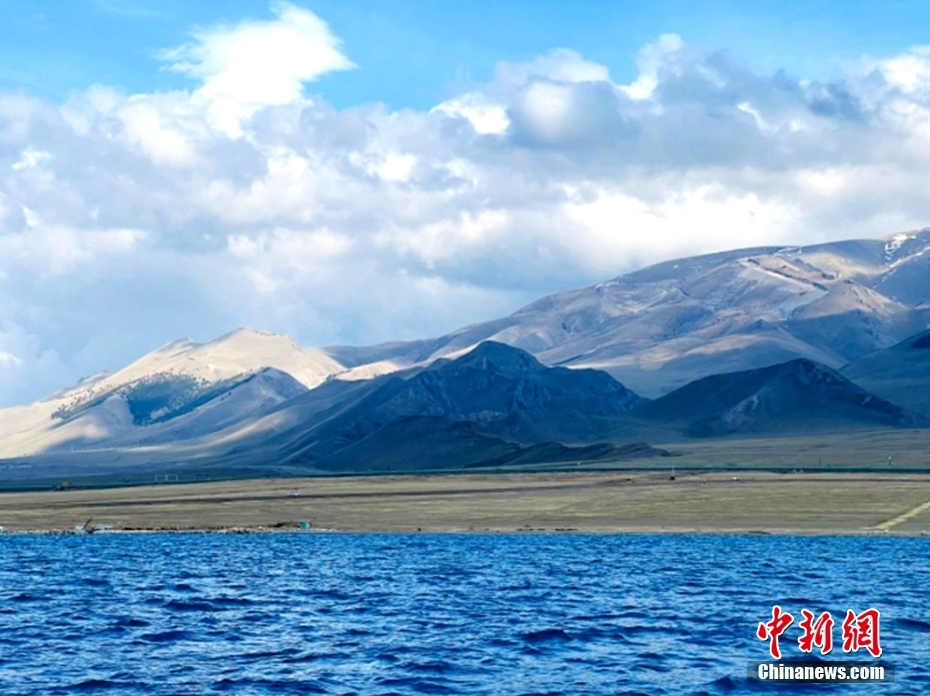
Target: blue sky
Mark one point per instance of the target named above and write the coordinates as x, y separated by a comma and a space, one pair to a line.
415, 54
358, 171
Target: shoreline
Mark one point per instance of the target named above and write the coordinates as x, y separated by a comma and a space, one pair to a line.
264, 531
646, 502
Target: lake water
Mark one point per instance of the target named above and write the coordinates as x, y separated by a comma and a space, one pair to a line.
439, 614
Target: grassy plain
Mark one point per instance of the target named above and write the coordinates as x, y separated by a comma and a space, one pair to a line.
908, 449
747, 501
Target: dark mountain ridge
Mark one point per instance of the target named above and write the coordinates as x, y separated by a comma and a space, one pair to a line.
504, 390
796, 396
900, 374
737, 343
420, 443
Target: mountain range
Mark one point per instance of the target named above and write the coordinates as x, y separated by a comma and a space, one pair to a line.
663, 326
826, 338
900, 373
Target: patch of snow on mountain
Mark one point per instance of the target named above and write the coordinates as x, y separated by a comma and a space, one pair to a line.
370, 370
40, 427
895, 243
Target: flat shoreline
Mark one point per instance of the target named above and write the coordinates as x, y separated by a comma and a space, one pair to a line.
264, 531
627, 502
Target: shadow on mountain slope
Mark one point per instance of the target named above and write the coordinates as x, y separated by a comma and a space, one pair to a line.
796, 396
900, 374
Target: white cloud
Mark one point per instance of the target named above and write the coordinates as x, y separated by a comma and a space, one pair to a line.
31, 158
614, 226
130, 220
544, 81
908, 72
564, 65
153, 130
31, 217
51, 251
258, 63
485, 116
651, 60
9, 359
548, 109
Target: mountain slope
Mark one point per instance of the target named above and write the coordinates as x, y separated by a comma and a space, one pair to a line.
660, 327
431, 443
246, 399
900, 374
148, 412
166, 383
504, 390
246, 394
236, 353
796, 396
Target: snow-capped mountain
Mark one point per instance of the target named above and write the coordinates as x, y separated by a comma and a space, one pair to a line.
136, 403
653, 330
663, 326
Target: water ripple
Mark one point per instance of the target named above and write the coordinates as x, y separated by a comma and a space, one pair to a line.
435, 614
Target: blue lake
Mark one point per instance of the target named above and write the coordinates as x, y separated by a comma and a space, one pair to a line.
439, 613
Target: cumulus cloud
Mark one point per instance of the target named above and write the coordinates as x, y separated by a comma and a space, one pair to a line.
128, 220
257, 63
